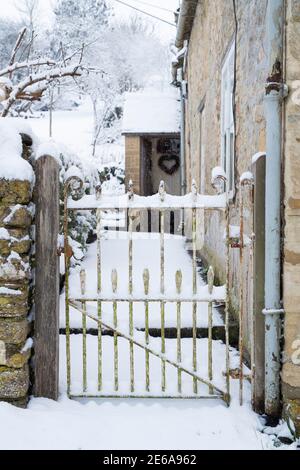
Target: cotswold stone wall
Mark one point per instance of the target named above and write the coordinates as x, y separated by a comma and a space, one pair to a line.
132, 161
212, 35
291, 274
16, 214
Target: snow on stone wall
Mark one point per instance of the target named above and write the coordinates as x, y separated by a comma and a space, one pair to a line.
16, 214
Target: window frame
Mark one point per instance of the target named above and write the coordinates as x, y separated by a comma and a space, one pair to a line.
227, 120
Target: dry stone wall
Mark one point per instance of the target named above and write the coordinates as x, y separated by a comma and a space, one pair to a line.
16, 217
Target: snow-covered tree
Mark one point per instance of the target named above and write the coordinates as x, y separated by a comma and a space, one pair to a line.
102, 91
79, 22
9, 31
137, 54
130, 55
30, 13
37, 74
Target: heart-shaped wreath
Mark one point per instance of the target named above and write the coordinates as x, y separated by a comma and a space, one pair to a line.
164, 163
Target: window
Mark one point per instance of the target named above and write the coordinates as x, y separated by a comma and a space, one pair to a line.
227, 119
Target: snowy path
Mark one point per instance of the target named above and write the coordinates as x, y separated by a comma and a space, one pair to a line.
146, 254
131, 424
108, 424
140, 368
146, 250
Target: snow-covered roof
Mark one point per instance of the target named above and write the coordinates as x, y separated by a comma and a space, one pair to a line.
151, 112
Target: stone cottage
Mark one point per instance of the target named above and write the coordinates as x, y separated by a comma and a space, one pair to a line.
238, 68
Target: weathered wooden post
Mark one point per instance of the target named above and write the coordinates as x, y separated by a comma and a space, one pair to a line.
47, 279
258, 389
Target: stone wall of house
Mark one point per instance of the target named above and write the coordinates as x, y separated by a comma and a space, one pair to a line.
291, 273
132, 161
211, 38
15, 274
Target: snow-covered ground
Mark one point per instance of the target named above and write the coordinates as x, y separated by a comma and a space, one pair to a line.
125, 424
74, 129
130, 423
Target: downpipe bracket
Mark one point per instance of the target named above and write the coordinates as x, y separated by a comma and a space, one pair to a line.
284, 90
281, 88
273, 311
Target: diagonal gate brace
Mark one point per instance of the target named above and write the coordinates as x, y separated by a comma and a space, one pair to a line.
163, 357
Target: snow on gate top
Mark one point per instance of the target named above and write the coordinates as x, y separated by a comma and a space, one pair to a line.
152, 112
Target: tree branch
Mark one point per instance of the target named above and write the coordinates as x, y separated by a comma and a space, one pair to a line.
17, 45
22, 65
47, 76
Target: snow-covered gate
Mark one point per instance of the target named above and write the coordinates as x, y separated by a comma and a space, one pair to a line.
149, 367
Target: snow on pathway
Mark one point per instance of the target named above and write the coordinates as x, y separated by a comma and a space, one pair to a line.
140, 368
146, 254
132, 423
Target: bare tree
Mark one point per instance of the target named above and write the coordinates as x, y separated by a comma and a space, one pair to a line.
42, 72
29, 11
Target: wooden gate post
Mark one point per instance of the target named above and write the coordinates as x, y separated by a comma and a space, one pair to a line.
47, 279
258, 389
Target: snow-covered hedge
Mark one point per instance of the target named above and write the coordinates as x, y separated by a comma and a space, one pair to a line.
112, 178
81, 224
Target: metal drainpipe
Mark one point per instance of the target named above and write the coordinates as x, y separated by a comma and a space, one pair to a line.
273, 112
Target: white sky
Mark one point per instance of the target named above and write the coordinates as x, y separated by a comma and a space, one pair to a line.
165, 31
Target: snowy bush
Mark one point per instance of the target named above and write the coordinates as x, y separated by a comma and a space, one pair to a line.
112, 179
81, 224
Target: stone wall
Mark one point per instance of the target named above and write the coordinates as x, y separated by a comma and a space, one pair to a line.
16, 214
291, 274
132, 161
214, 30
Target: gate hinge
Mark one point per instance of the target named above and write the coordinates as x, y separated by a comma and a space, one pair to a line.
235, 374
60, 250
68, 251
235, 242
